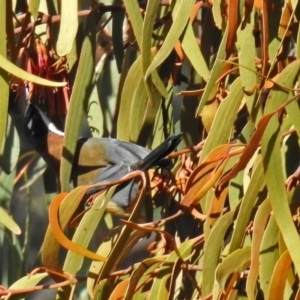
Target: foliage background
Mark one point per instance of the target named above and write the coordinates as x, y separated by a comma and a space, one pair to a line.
226, 74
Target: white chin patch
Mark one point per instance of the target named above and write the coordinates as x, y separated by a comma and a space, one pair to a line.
53, 129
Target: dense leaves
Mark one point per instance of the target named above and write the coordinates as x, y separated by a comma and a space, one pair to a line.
223, 221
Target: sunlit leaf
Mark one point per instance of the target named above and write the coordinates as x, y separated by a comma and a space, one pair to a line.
268, 254
68, 27
28, 77
86, 230
259, 225
193, 52
224, 118
29, 281
235, 262
181, 14
277, 191
279, 277
247, 204
213, 248
4, 86
81, 92
56, 227
34, 8
8, 222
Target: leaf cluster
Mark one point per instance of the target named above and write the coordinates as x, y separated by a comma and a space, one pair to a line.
223, 223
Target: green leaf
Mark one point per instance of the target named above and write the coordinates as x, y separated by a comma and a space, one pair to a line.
34, 8
141, 274
125, 241
271, 143
224, 119
212, 251
259, 225
193, 52
95, 115
211, 87
11, 149
146, 52
235, 262
247, 53
216, 10
4, 81
104, 249
162, 282
181, 13
80, 95
27, 282
251, 195
268, 255
86, 230
130, 86
18, 72
6, 187
8, 222
68, 26
142, 114
134, 13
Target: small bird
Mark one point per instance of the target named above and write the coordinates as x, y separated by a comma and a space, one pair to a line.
96, 160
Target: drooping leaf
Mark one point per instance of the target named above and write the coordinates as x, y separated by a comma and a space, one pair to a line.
86, 230
56, 227
28, 77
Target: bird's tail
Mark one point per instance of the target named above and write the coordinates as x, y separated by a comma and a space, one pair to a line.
159, 153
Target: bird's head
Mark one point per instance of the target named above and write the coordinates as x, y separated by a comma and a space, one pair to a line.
37, 125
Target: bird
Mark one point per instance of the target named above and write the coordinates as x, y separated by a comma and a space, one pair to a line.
96, 160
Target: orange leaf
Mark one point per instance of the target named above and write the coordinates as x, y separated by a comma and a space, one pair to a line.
258, 4
205, 183
120, 290
279, 276
217, 205
178, 50
195, 10
233, 9
58, 232
253, 143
